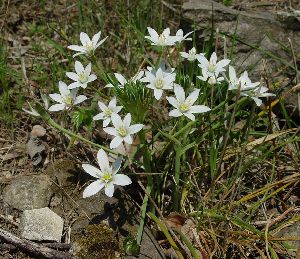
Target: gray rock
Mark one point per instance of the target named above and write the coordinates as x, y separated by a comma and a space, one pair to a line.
28, 192
41, 225
291, 231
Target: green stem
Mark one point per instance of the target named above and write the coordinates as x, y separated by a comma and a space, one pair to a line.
72, 134
147, 166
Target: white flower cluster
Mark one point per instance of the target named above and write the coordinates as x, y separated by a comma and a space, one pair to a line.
158, 79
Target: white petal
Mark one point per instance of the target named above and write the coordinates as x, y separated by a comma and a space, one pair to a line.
115, 142
88, 69
193, 96
102, 106
111, 131
199, 109
92, 170
121, 79
189, 115
99, 116
63, 88
257, 101
116, 120
135, 128
127, 120
128, 139
113, 102
102, 160
92, 78
153, 34
72, 76
172, 101
80, 99
84, 38
79, 67
121, 179
179, 93
76, 48
56, 97
158, 93
109, 189
93, 188
96, 38
213, 58
175, 113
100, 42
106, 122
222, 63
74, 85
57, 107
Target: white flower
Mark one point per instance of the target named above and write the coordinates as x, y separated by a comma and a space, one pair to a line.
191, 55
159, 80
122, 130
254, 94
179, 36
107, 111
163, 39
184, 106
212, 80
66, 99
82, 76
122, 80
106, 176
88, 46
243, 81
211, 66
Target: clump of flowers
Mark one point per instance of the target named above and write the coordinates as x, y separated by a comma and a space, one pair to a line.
162, 80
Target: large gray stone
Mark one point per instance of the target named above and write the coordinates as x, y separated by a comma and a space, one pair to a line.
41, 225
28, 192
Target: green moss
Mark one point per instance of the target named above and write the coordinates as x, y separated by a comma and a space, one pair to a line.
98, 241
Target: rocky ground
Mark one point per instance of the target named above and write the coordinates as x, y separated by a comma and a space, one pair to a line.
41, 181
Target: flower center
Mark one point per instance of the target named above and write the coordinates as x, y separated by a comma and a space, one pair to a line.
68, 100
89, 47
159, 83
106, 177
211, 68
82, 77
162, 39
107, 112
184, 107
122, 132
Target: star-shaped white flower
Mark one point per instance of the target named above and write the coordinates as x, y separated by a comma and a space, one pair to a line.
107, 111
163, 39
82, 76
211, 67
254, 94
184, 106
191, 55
243, 82
159, 80
66, 99
107, 176
122, 80
180, 37
122, 130
88, 46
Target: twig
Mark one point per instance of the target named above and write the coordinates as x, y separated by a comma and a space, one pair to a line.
34, 248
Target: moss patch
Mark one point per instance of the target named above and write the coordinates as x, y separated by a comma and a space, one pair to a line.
98, 241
